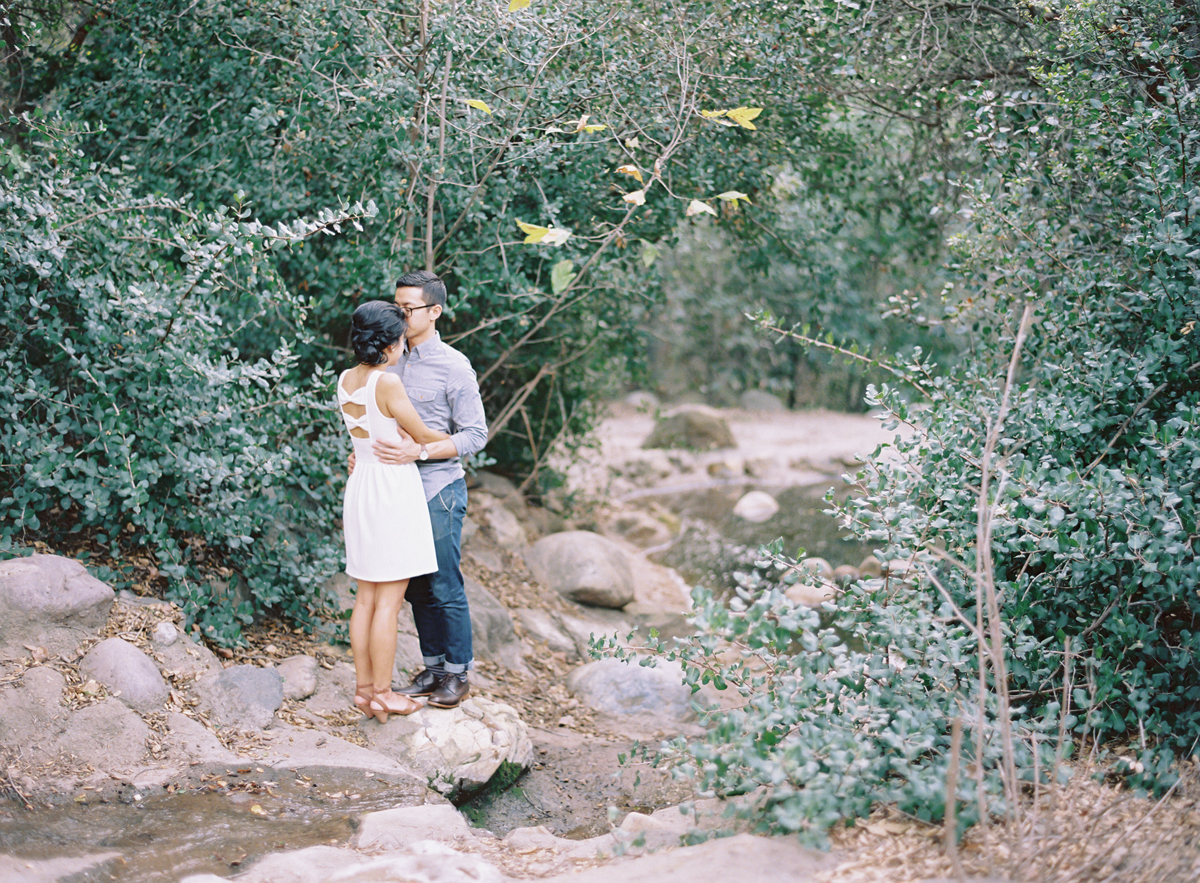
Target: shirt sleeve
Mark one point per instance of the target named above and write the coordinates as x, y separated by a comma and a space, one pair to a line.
468, 425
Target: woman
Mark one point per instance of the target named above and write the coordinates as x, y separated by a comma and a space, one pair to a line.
384, 517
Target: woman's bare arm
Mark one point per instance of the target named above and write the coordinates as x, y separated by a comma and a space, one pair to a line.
394, 402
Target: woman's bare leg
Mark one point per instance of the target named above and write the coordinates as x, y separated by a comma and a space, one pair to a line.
389, 598
360, 643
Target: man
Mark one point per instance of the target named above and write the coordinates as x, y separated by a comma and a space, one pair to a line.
443, 388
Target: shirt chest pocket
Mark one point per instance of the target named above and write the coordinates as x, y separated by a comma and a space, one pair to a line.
423, 396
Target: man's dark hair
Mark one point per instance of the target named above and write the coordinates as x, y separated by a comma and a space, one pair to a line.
433, 289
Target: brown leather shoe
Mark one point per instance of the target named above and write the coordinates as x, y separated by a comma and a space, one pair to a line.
451, 690
423, 684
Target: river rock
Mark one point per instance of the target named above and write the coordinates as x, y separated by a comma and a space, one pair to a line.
299, 676
692, 427
760, 400
49, 601
400, 827
583, 567
626, 688
129, 673
643, 529
756, 507
816, 568
870, 567
503, 527
31, 709
810, 594
458, 750
108, 736
244, 697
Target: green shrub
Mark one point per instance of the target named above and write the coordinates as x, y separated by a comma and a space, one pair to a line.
133, 423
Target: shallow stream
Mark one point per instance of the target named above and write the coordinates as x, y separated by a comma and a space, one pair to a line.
218, 825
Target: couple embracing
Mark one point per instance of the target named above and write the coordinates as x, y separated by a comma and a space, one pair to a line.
413, 410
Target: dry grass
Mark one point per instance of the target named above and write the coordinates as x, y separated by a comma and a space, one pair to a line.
1089, 831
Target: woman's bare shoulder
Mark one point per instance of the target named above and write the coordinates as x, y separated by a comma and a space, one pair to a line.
389, 381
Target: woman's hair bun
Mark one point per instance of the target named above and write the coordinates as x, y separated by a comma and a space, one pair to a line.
374, 327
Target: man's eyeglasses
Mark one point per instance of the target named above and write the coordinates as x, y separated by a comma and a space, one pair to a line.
408, 311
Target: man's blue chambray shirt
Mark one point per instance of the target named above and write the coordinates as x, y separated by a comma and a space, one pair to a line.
442, 386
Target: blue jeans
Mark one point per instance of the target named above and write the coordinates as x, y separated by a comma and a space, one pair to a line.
439, 600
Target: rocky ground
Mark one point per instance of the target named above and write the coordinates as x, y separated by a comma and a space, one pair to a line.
576, 790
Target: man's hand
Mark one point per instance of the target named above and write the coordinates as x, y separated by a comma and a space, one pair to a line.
397, 453
351, 462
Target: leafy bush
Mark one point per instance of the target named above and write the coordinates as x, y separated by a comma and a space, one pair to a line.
832, 715
1056, 465
133, 424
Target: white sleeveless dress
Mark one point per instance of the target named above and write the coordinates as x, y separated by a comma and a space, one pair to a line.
384, 515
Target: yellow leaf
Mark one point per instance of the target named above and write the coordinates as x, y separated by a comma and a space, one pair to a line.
479, 105
695, 207
545, 235
631, 170
713, 114
733, 196
743, 115
637, 197
533, 233
258, 810
514, 5
582, 125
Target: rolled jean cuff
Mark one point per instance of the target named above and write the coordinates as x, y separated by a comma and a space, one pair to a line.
458, 668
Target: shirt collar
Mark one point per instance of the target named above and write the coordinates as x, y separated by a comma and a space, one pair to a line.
426, 349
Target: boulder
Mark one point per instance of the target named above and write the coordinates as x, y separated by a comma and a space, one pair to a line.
50, 601
457, 750
503, 527
692, 427
759, 400
756, 507
583, 567
244, 697
626, 688
541, 625
740, 857
816, 568
107, 736
493, 636
400, 827
129, 673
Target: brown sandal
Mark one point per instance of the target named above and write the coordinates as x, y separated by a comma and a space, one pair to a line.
383, 705
363, 694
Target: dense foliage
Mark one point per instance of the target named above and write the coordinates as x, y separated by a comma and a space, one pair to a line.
538, 158
1042, 499
133, 425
